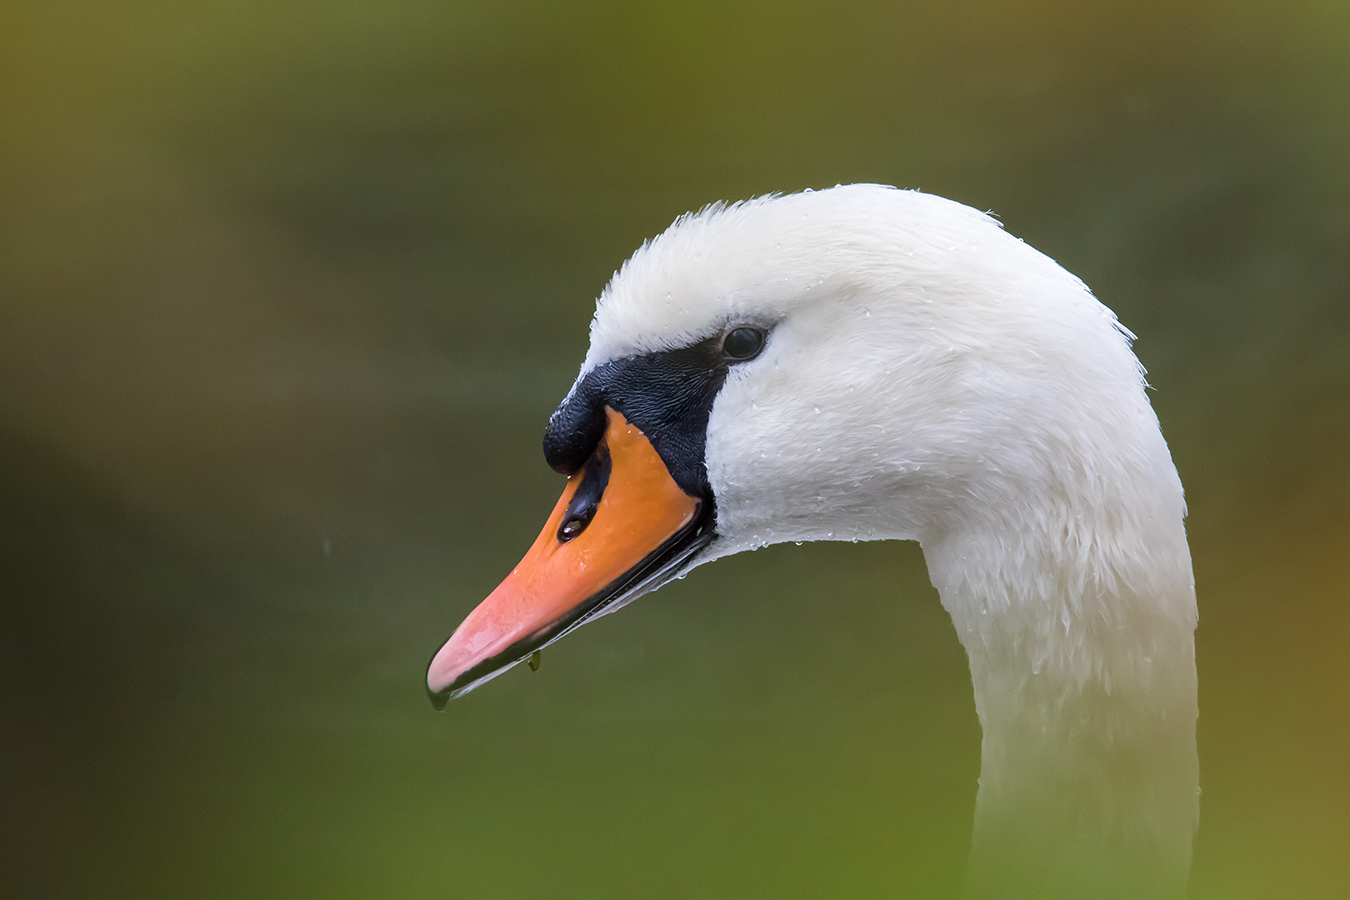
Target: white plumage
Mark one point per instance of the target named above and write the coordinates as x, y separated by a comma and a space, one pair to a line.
930, 377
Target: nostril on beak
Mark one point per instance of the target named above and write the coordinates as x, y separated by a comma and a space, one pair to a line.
594, 480
573, 527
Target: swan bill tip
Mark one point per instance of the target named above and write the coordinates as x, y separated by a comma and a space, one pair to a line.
439, 699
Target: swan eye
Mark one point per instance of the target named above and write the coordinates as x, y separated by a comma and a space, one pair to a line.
743, 343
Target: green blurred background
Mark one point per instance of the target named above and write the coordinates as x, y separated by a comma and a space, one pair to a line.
288, 290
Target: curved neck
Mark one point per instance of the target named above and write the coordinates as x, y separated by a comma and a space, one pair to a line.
1079, 633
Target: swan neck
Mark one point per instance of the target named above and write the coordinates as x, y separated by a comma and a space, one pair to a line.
1083, 664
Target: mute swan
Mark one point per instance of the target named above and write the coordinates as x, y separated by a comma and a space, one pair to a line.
866, 363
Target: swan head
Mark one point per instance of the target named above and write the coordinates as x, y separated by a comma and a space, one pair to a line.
851, 364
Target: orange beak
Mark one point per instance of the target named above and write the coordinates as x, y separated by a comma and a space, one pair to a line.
621, 528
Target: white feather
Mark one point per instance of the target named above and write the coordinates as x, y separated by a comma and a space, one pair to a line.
930, 377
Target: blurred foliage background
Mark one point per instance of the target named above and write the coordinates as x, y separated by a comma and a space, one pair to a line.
288, 290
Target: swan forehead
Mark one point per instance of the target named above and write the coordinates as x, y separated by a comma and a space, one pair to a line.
757, 260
